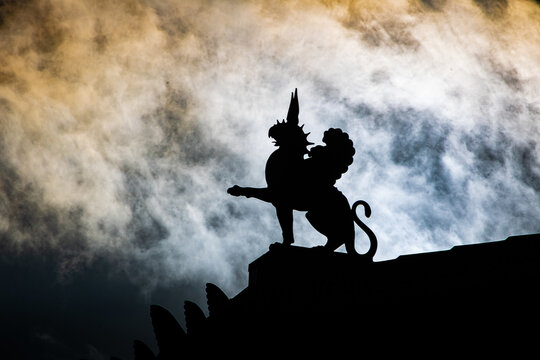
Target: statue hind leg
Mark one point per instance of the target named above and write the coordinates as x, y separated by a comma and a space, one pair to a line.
285, 218
336, 230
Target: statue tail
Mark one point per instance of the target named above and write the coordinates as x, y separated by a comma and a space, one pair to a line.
372, 238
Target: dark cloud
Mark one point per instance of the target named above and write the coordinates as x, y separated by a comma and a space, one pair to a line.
507, 74
488, 148
494, 151
452, 175
527, 164
433, 4
492, 8
100, 37
383, 32
145, 227
419, 142
48, 33
30, 218
8, 9
95, 314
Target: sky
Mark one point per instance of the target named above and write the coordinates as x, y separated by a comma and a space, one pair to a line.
122, 124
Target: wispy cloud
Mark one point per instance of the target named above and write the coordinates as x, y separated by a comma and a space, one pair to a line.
123, 123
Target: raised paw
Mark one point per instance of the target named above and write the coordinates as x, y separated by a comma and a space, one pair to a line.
235, 190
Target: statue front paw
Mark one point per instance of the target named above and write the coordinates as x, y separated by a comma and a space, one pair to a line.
235, 190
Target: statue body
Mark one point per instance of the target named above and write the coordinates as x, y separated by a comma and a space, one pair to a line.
297, 182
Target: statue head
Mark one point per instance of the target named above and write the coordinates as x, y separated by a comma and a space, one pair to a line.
287, 133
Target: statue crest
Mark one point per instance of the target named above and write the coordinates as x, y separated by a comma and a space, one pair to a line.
304, 179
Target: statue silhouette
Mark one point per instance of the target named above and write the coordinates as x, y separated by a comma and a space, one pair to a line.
297, 182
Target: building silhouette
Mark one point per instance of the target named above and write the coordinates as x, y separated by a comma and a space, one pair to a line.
302, 302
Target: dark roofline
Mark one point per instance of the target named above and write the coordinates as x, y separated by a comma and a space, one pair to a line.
305, 301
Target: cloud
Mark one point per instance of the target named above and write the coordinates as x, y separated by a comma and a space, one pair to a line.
123, 123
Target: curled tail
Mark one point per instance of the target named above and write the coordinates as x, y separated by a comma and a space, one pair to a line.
372, 238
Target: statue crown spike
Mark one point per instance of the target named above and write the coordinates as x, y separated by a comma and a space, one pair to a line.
294, 109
